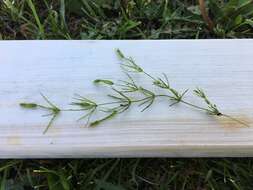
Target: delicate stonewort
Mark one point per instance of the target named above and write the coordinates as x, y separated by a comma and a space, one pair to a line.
123, 96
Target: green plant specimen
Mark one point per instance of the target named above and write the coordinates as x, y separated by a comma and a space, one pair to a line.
123, 96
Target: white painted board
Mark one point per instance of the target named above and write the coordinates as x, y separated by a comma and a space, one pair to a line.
58, 69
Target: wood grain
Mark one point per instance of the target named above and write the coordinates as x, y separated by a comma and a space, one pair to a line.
58, 69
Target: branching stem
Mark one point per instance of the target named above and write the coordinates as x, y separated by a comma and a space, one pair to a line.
123, 97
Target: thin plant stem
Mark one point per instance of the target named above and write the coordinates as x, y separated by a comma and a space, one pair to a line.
150, 76
236, 120
123, 98
194, 106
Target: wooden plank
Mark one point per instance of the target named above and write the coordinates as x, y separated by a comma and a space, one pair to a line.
59, 69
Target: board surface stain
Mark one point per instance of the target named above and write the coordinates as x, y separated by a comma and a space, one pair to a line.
230, 124
14, 140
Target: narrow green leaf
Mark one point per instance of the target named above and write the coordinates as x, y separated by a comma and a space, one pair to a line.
28, 105
3, 180
120, 54
50, 123
97, 122
40, 26
103, 81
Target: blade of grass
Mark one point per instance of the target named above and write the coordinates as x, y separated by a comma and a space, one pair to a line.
40, 26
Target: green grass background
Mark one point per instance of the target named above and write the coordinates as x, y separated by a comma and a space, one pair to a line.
126, 19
